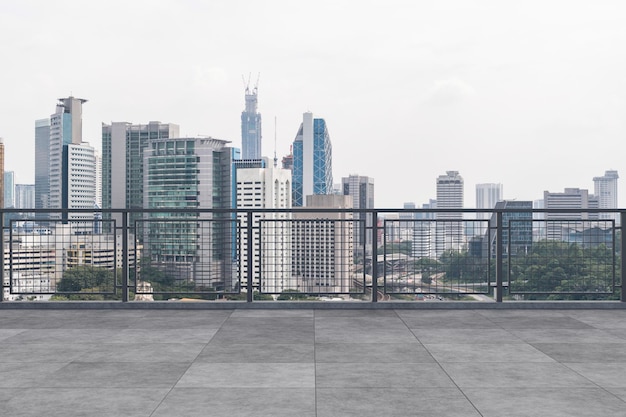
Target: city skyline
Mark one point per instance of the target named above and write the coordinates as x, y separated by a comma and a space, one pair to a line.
527, 95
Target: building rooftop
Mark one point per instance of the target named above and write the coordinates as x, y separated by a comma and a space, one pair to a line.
312, 362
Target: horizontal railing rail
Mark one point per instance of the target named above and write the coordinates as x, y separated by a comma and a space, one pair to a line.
368, 255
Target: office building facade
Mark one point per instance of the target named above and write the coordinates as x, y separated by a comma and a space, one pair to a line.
266, 187
72, 168
9, 189
449, 234
312, 160
123, 146
361, 189
42, 160
605, 190
195, 246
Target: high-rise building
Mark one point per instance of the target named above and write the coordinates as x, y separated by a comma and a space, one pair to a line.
361, 189
449, 234
251, 126
605, 189
423, 232
487, 195
1, 170
570, 198
194, 246
517, 228
9, 189
312, 160
42, 160
98, 161
24, 196
266, 187
323, 246
72, 168
123, 146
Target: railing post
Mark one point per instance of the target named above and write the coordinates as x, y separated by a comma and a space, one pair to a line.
499, 286
374, 256
249, 263
125, 257
622, 224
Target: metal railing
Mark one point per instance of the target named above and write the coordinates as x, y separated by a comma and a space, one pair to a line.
370, 255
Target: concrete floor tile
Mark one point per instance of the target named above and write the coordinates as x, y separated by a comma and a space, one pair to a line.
393, 402
606, 375
521, 375
248, 353
240, 402
258, 313
553, 402
475, 353
142, 352
465, 336
249, 375
381, 375
42, 352
584, 352
446, 320
355, 313
90, 402
539, 322
365, 353
7, 334
566, 336
264, 334
26, 374
115, 375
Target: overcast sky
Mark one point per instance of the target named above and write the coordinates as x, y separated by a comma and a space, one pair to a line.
530, 94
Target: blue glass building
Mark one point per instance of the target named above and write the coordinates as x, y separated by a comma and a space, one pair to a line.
312, 160
251, 127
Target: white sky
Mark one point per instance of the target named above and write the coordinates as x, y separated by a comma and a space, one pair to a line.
530, 94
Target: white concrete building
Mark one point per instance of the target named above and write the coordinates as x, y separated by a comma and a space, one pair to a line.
267, 187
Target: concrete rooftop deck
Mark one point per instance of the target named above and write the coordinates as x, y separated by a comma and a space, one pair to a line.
313, 362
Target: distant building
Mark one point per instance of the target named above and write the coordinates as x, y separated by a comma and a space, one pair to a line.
266, 187
323, 246
605, 189
194, 247
42, 159
312, 160
361, 189
72, 168
123, 147
570, 198
424, 232
9, 189
517, 228
24, 196
251, 126
449, 233
1, 170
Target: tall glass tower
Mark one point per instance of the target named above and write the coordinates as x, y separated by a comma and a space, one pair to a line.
312, 160
42, 157
251, 126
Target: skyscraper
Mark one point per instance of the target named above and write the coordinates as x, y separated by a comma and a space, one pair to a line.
361, 189
487, 195
72, 169
195, 246
266, 186
1, 176
605, 189
123, 146
42, 160
24, 196
251, 126
9, 189
449, 233
312, 160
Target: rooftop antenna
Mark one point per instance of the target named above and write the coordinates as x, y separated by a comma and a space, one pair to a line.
275, 157
256, 84
246, 84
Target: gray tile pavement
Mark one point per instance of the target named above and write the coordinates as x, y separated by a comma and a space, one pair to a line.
310, 362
